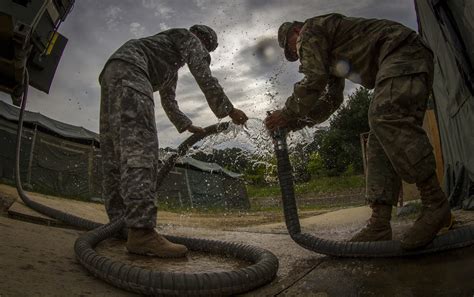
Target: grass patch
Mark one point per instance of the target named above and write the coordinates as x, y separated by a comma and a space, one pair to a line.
319, 185
211, 209
278, 209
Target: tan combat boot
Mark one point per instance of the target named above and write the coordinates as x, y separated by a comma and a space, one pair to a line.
378, 227
435, 215
148, 242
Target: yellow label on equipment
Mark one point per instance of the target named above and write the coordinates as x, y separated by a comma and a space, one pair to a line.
51, 44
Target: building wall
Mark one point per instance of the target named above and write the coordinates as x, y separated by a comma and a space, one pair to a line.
446, 26
175, 191
187, 187
48, 164
7, 151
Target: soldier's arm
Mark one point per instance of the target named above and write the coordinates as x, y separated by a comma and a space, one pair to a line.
308, 103
323, 108
329, 102
198, 60
171, 108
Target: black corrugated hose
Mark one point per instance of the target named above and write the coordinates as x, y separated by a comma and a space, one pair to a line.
156, 282
455, 238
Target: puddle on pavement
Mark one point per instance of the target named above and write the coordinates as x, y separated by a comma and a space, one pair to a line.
193, 262
442, 274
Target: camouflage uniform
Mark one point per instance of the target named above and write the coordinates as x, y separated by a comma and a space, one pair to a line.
378, 54
129, 142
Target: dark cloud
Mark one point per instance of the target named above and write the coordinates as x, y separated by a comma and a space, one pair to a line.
264, 56
266, 62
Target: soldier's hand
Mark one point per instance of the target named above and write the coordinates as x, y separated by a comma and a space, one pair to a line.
238, 116
276, 120
195, 129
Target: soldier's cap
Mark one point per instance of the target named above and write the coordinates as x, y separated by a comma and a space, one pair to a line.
283, 31
207, 35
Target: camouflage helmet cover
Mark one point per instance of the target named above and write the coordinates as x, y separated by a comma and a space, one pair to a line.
207, 35
283, 36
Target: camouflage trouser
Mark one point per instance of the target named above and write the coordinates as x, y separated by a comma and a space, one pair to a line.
398, 147
129, 145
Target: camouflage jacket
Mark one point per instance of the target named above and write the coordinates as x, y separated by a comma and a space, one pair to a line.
333, 47
160, 56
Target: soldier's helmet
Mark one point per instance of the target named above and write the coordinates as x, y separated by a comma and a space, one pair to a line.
207, 35
283, 31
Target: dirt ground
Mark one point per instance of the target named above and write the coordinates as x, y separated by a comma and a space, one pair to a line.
96, 212
38, 260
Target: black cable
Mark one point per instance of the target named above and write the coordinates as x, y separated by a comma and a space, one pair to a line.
456, 238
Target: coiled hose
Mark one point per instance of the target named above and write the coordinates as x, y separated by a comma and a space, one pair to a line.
456, 238
155, 282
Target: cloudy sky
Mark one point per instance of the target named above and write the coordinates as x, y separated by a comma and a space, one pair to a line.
254, 80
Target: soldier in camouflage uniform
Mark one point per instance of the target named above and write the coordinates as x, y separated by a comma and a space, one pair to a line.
391, 58
129, 143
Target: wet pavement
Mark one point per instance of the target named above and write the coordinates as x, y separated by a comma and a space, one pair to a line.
447, 274
192, 263
37, 260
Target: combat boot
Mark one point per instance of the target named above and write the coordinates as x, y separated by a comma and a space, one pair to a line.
435, 215
148, 242
378, 227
